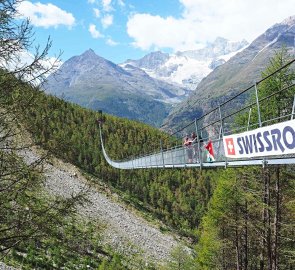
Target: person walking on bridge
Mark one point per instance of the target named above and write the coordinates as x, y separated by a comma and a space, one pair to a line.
188, 144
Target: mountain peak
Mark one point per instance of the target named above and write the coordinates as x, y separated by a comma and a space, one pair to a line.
289, 21
89, 57
150, 61
89, 53
220, 40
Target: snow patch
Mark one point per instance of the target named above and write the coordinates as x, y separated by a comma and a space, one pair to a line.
266, 46
226, 57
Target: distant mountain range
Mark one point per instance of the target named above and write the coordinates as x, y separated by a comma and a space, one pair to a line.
171, 89
188, 68
146, 89
96, 83
236, 74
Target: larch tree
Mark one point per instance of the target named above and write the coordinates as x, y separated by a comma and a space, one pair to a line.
26, 211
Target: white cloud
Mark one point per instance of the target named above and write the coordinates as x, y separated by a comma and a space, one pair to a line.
23, 59
96, 12
91, 1
45, 15
111, 42
107, 5
166, 32
94, 32
204, 20
107, 20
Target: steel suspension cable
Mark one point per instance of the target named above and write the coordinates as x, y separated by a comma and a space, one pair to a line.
234, 97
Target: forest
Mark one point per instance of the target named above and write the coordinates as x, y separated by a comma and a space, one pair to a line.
241, 218
235, 218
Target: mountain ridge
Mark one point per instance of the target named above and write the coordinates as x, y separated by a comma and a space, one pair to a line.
96, 83
236, 74
131, 90
187, 68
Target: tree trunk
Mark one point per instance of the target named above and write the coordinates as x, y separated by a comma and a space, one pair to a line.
264, 219
224, 267
268, 222
237, 242
246, 236
276, 220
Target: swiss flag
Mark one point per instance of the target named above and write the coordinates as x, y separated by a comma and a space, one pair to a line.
209, 147
230, 146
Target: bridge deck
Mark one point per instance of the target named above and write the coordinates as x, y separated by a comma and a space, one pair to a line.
263, 138
177, 158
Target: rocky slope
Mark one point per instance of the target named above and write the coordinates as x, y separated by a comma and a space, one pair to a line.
3, 266
236, 74
125, 231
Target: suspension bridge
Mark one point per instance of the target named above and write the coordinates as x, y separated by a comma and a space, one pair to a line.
232, 134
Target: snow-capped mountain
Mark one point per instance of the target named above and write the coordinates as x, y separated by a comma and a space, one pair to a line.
236, 74
187, 68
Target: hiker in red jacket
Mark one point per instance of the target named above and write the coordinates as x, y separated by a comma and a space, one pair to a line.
210, 151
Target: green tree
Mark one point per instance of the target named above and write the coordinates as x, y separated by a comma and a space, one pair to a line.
248, 224
26, 212
181, 259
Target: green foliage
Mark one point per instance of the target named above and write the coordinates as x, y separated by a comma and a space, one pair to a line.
178, 197
234, 229
40, 230
114, 264
209, 245
271, 105
181, 259
249, 223
74, 244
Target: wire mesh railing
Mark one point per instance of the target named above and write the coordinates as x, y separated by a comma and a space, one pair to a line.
253, 109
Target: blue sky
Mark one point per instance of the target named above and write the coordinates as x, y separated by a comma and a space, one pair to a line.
129, 29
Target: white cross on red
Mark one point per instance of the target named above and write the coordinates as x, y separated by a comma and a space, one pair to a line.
230, 146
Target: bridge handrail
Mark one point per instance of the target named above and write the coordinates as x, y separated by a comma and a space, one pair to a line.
177, 156
235, 96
